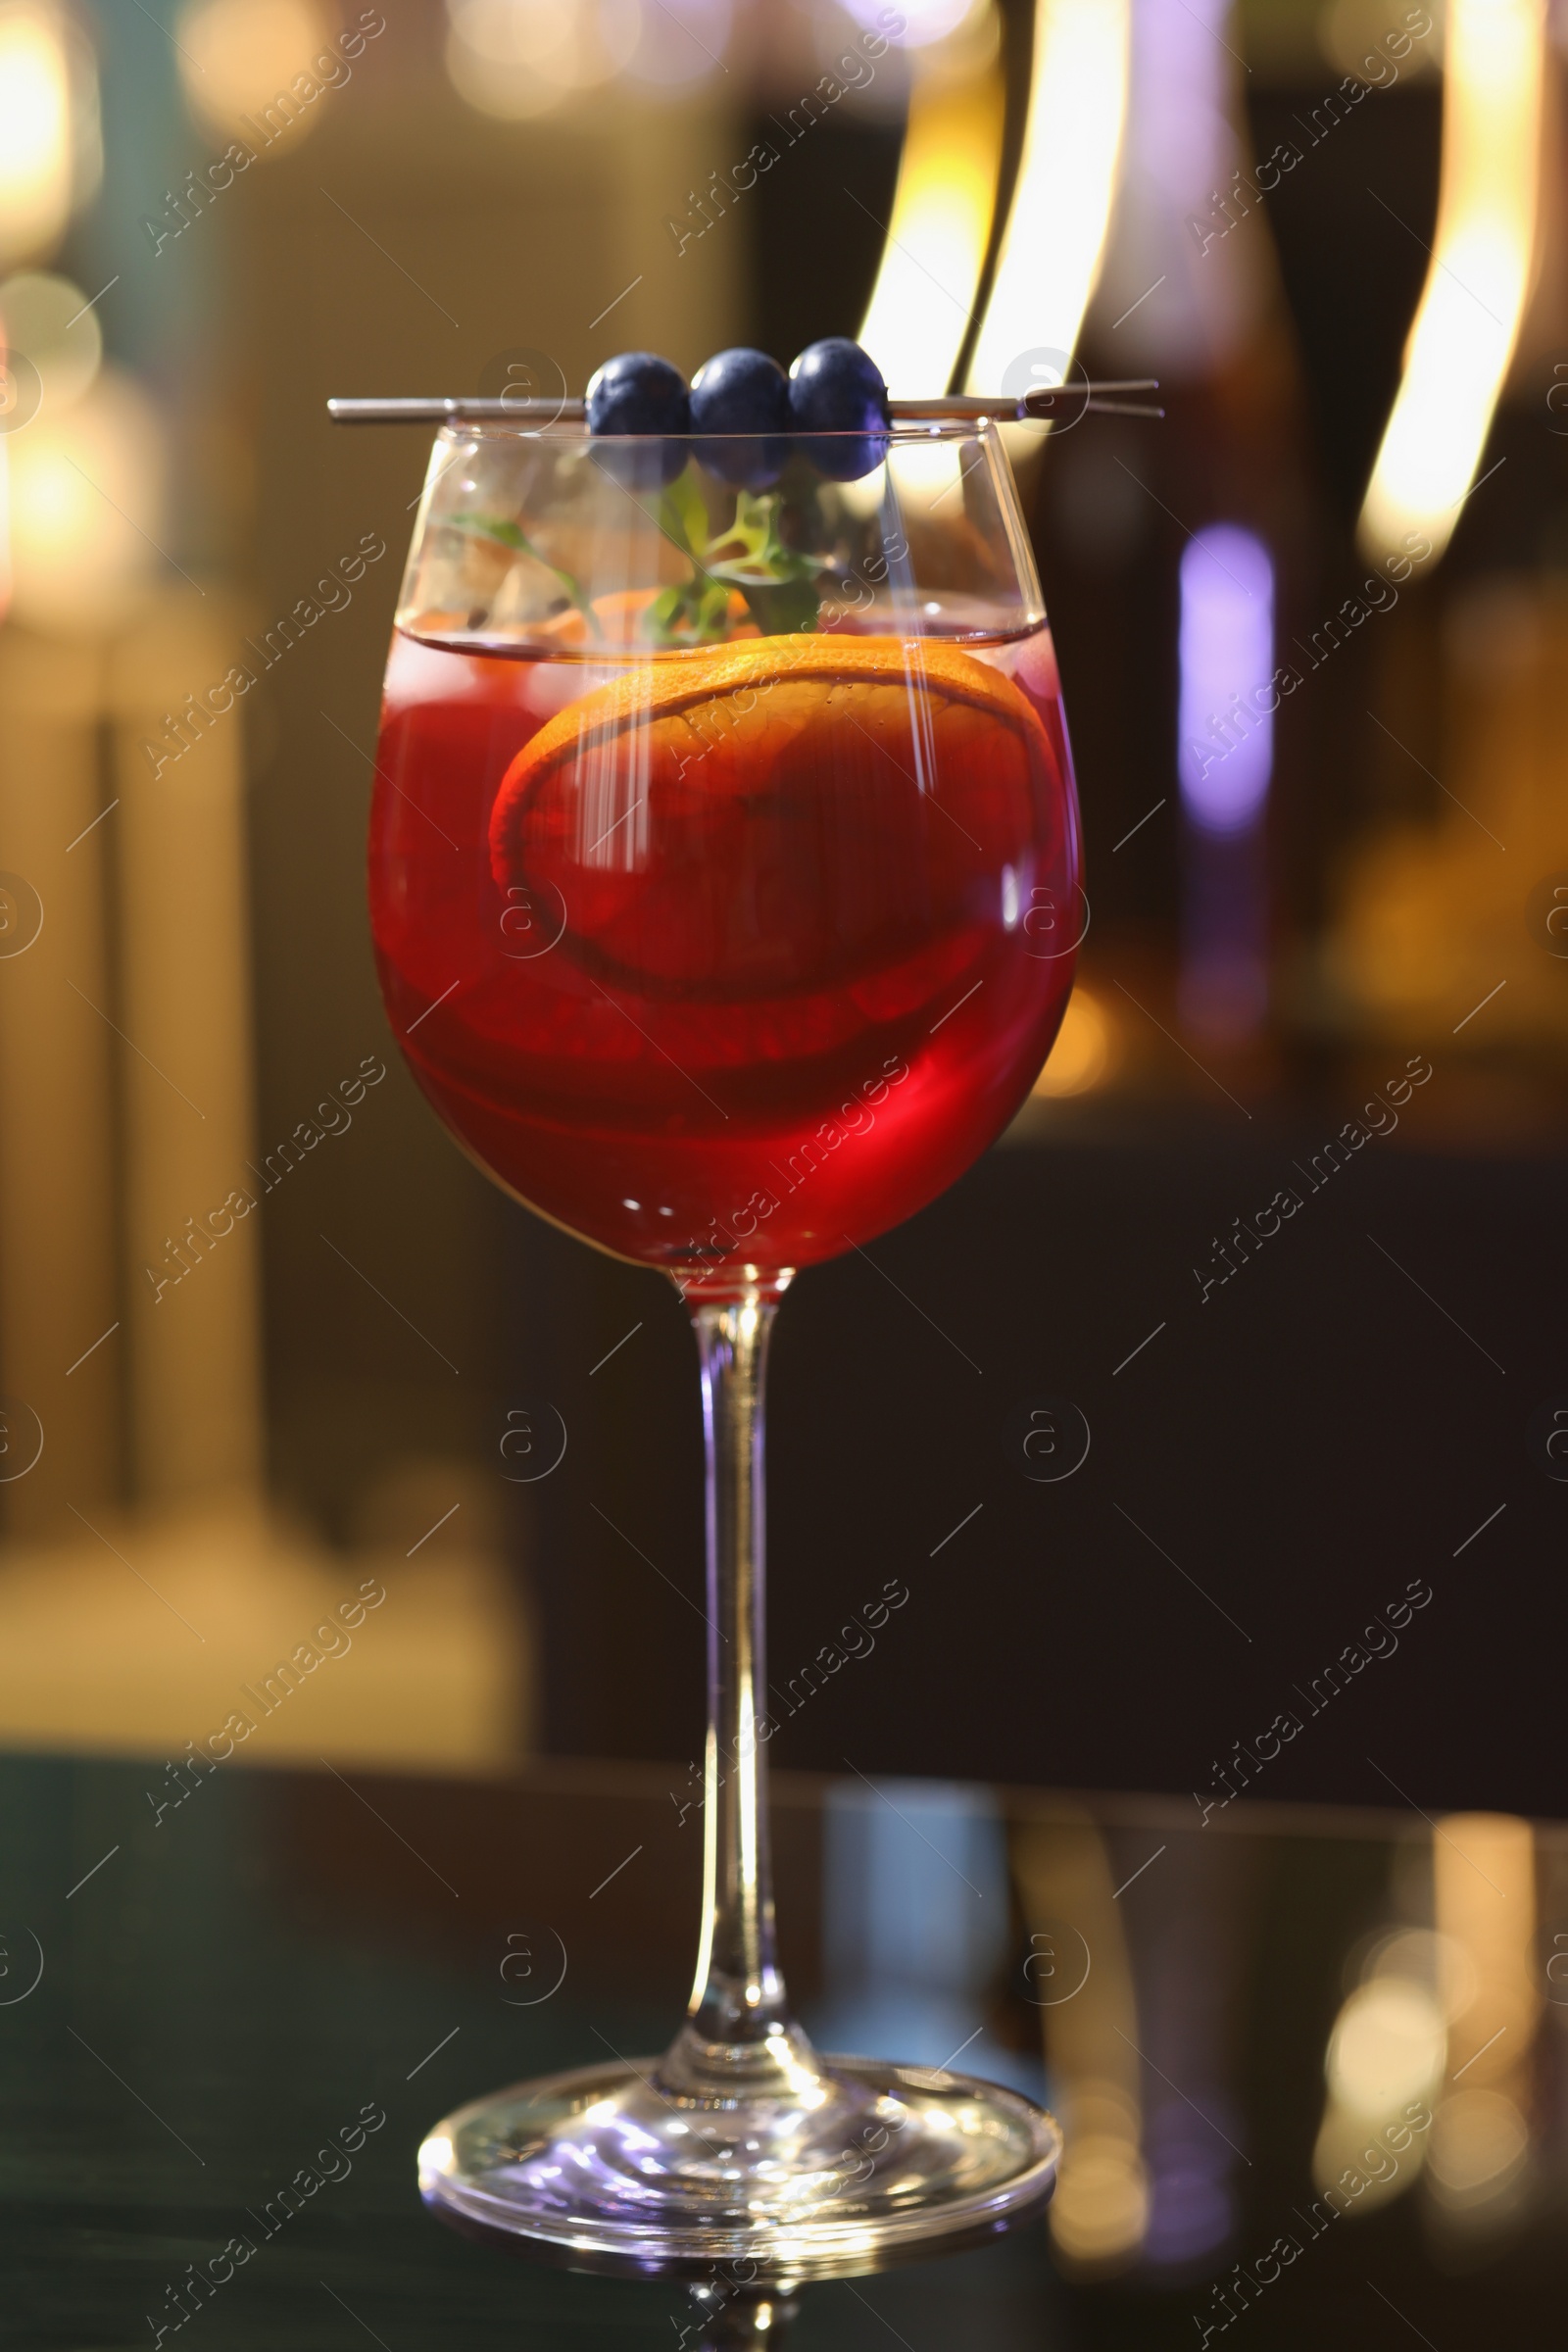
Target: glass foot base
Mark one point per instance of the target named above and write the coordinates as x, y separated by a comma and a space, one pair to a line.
871, 2164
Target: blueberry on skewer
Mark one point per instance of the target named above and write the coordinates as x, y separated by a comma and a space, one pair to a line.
836, 387
638, 393
742, 398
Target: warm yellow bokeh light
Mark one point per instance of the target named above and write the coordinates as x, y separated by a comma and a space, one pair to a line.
87, 496
1054, 239
53, 321
521, 58
1084, 1053
1385, 2062
1480, 2142
940, 226
1436, 1962
1386, 2047
238, 57
1099, 2212
1089, 2021
1351, 37
1479, 278
5, 526
1484, 1888
36, 165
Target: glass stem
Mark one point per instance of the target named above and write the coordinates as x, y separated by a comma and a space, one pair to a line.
738, 2040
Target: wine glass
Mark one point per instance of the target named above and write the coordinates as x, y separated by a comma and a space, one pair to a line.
724, 882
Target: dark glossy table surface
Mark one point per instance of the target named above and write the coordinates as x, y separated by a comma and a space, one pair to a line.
236, 1988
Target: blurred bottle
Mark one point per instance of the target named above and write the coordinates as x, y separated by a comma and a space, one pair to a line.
1181, 535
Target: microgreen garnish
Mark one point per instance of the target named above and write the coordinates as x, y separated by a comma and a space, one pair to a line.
506, 533
750, 554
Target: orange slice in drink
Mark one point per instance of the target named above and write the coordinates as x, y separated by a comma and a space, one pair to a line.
782, 812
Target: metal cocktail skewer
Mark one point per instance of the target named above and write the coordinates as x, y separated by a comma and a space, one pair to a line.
1036, 407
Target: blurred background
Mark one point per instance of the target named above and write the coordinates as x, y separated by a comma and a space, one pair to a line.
1282, 1222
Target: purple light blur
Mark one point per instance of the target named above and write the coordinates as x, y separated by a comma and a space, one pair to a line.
1225, 727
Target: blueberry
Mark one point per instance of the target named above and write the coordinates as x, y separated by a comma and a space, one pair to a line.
744, 397
836, 387
639, 393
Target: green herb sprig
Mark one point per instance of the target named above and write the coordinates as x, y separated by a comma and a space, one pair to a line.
750, 555
506, 533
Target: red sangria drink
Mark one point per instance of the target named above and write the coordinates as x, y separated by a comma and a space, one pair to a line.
724, 884
725, 957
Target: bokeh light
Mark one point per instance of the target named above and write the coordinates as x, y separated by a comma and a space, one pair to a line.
1384, 2064
923, 300
521, 58
1054, 239
925, 21
1479, 279
1085, 1051
1224, 722
1485, 1897
86, 500
52, 323
681, 42
239, 57
50, 153
1386, 2047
